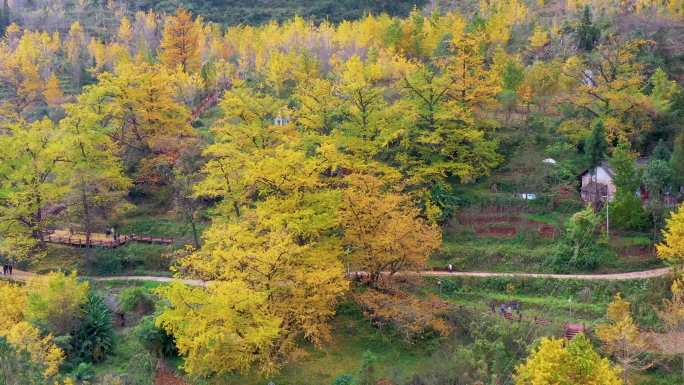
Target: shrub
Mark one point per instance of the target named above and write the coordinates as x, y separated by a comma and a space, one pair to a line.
367, 372
94, 339
565, 259
344, 379
579, 249
54, 302
130, 257
83, 372
17, 368
155, 339
136, 299
410, 317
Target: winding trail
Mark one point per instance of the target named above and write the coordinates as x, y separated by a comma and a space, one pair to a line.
23, 276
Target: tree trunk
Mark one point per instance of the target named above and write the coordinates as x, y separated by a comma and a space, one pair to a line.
86, 214
195, 237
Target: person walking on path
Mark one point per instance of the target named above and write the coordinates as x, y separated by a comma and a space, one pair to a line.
9, 266
4, 269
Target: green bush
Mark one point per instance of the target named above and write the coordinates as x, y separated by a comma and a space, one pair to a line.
155, 339
94, 339
368, 372
579, 249
137, 299
128, 258
566, 260
83, 372
17, 367
344, 379
627, 213
485, 354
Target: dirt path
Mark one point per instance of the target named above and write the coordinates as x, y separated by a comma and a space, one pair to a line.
654, 273
588, 277
23, 276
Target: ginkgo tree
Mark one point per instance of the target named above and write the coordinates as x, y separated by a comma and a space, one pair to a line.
556, 361
383, 230
671, 249
272, 238
30, 167
95, 177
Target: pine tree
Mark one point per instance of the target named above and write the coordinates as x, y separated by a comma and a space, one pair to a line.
587, 33
596, 146
5, 17
626, 211
661, 152
677, 159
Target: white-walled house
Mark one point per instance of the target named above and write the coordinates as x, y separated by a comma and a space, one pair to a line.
597, 183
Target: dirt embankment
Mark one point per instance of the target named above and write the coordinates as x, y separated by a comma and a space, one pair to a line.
497, 223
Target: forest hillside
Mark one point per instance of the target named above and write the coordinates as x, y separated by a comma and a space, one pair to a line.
350, 192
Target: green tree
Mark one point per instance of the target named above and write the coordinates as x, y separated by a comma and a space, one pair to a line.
55, 301
588, 33
657, 179
446, 140
94, 339
661, 152
4, 17
596, 146
677, 159
626, 210
579, 248
95, 175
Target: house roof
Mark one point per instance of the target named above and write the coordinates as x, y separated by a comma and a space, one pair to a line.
639, 163
605, 166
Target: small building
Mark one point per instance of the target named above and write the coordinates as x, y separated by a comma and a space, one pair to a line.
528, 196
281, 120
597, 184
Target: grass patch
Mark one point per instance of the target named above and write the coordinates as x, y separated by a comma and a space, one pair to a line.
352, 336
130, 259
494, 254
129, 361
588, 298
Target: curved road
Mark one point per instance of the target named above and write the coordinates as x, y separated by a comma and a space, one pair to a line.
645, 274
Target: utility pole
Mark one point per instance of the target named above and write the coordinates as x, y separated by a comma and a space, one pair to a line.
607, 219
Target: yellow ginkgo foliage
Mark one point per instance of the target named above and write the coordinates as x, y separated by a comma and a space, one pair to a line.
622, 338
557, 361
23, 335
12, 305
53, 92
42, 349
383, 231
224, 328
539, 38
671, 249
